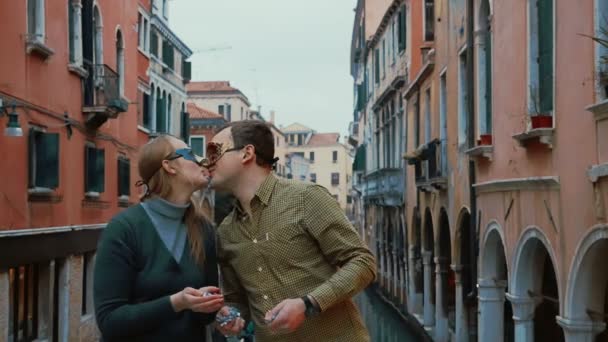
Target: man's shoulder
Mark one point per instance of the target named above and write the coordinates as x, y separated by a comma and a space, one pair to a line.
294, 187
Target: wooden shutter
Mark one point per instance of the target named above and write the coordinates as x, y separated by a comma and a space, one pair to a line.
186, 71
99, 170
47, 164
545, 55
154, 44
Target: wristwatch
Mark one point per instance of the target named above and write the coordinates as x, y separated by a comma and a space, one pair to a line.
311, 309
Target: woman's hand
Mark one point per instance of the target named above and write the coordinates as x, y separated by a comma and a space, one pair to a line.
195, 300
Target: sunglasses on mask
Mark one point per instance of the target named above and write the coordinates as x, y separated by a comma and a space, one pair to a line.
215, 151
185, 153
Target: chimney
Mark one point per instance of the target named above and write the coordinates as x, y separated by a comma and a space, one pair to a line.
272, 117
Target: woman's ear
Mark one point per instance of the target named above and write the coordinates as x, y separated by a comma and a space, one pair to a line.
168, 168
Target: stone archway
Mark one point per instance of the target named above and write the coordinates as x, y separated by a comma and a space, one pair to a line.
586, 300
496, 321
444, 277
534, 289
464, 274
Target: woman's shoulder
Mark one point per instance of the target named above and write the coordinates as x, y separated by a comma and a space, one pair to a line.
127, 221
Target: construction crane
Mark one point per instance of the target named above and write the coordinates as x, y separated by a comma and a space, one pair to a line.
212, 49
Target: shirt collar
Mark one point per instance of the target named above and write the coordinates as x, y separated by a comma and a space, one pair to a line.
263, 193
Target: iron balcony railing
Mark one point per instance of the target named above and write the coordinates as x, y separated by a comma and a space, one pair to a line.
102, 88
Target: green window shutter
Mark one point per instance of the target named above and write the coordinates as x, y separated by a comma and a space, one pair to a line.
545, 55
124, 177
154, 44
47, 165
185, 126
198, 146
187, 70
488, 60
100, 170
168, 54
71, 29
377, 65
31, 147
89, 174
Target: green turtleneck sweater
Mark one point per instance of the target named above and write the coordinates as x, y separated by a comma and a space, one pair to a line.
135, 274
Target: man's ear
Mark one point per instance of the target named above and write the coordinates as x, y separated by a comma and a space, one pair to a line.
249, 154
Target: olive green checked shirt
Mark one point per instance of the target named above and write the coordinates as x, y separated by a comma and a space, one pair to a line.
297, 242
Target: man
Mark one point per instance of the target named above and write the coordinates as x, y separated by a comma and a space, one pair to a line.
290, 259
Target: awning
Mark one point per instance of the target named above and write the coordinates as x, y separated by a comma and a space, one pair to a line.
359, 163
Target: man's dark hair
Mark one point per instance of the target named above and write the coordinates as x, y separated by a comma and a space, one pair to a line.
256, 133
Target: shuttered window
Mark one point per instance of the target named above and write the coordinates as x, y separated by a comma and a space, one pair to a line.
545, 55
124, 177
44, 159
94, 169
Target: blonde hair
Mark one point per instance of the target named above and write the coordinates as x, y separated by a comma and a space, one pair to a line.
158, 183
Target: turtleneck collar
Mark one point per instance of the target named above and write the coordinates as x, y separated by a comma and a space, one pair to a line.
167, 209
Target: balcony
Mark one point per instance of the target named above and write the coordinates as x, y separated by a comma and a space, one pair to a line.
385, 187
430, 166
353, 133
102, 100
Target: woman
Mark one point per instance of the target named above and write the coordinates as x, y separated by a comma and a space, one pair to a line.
156, 269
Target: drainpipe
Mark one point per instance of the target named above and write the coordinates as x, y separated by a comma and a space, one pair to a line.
471, 142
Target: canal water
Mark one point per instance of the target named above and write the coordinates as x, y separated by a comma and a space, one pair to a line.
382, 321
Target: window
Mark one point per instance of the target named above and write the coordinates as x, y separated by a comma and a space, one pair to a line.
72, 32
335, 178
165, 9
197, 143
300, 139
377, 64
312, 157
44, 159
313, 177
383, 59
540, 62
143, 29
220, 109
601, 51
427, 114
94, 170
228, 112
402, 36
289, 176
443, 125
168, 55
429, 20
120, 62
484, 65
185, 124
416, 124
124, 177
154, 44
349, 199
335, 197
334, 156
463, 125
35, 20
394, 38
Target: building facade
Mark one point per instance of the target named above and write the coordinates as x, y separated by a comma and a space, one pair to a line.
328, 161
505, 175
220, 97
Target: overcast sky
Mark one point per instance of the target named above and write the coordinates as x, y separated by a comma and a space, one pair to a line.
285, 55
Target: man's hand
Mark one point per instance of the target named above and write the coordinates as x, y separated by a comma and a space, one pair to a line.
234, 327
287, 316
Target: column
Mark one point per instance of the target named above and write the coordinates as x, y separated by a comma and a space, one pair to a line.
4, 305
462, 325
429, 309
414, 299
395, 271
404, 281
153, 113
491, 309
77, 17
441, 315
523, 317
580, 330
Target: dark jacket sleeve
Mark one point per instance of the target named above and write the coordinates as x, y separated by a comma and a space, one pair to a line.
115, 271
210, 268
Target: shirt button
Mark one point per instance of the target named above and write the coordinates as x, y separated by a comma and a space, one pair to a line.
265, 297
260, 269
255, 240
